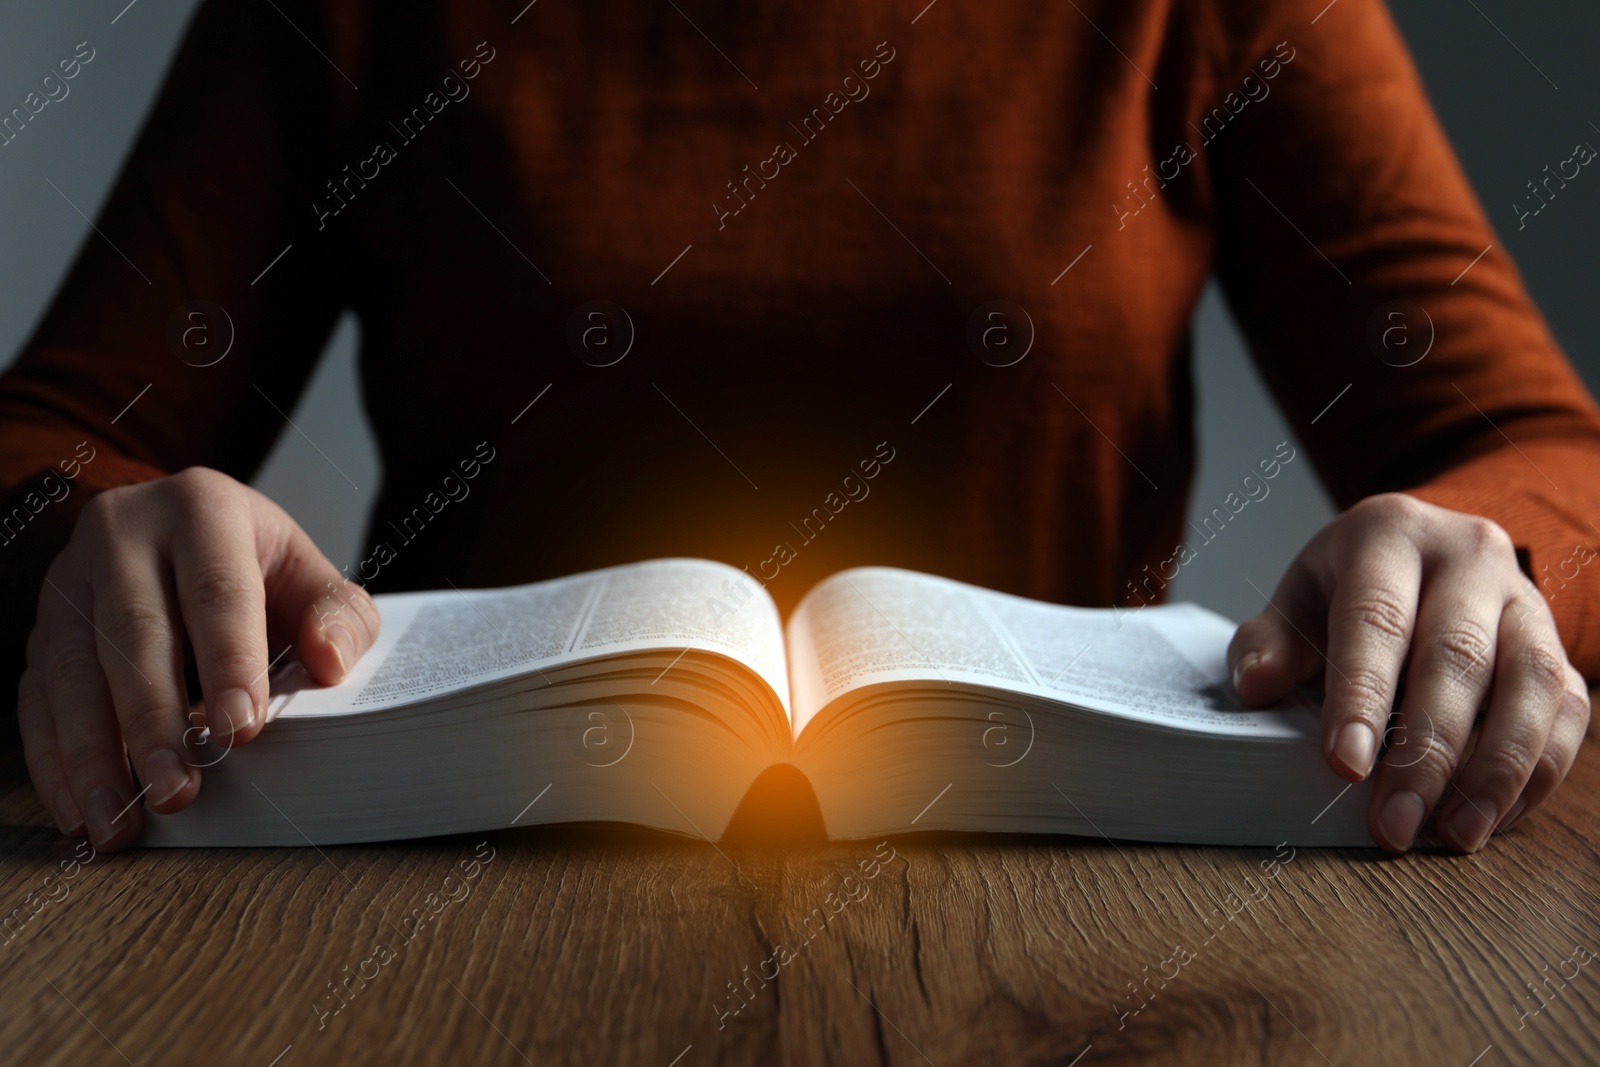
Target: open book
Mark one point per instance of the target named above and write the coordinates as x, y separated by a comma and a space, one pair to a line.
656, 693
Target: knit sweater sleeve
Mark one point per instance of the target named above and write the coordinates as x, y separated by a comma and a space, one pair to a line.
1381, 306
179, 335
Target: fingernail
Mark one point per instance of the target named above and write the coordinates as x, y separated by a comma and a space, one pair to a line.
1513, 814
1246, 661
1472, 822
233, 711
165, 774
344, 645
1401, 816
68, 819
1355, 746
107, 812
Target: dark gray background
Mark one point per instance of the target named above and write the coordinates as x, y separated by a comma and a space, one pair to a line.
1515, 85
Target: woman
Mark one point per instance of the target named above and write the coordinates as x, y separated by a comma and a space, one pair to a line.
740, 248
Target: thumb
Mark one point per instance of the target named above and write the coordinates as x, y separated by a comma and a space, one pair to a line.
1270, 653
331, 619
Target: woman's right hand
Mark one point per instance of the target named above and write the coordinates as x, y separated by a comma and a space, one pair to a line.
194, 555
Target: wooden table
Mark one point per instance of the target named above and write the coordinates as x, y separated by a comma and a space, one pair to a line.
604, 944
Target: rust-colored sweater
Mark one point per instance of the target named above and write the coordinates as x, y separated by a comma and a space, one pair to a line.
831, 229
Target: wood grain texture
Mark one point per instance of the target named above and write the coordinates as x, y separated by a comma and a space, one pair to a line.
605, 944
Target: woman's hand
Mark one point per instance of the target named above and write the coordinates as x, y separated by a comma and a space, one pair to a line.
1396, 585
194, 555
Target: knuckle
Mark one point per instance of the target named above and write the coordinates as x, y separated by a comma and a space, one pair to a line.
198, 491
1433, 760
90, 750
1393, 509
145, 716
69, 667
1464, 649
221, 585
134, 620
233, 665
1488, 538
1545, 667
1575, 682
1381, 611
97, 519
108, 501
1575, 707
1370, 690
1527, 603
197, 480
1552, 766
1508, 763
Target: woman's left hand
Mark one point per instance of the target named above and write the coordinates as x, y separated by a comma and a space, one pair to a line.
1396, 585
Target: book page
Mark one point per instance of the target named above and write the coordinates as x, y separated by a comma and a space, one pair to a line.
446, 640
1163, 665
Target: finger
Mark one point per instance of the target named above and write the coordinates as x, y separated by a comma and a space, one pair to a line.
331, 620
43, 756
1530, 680
217, 572
1560, 750
88, 737
38, 732
1370, 621
1272, 652
141, 654
1447, 680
